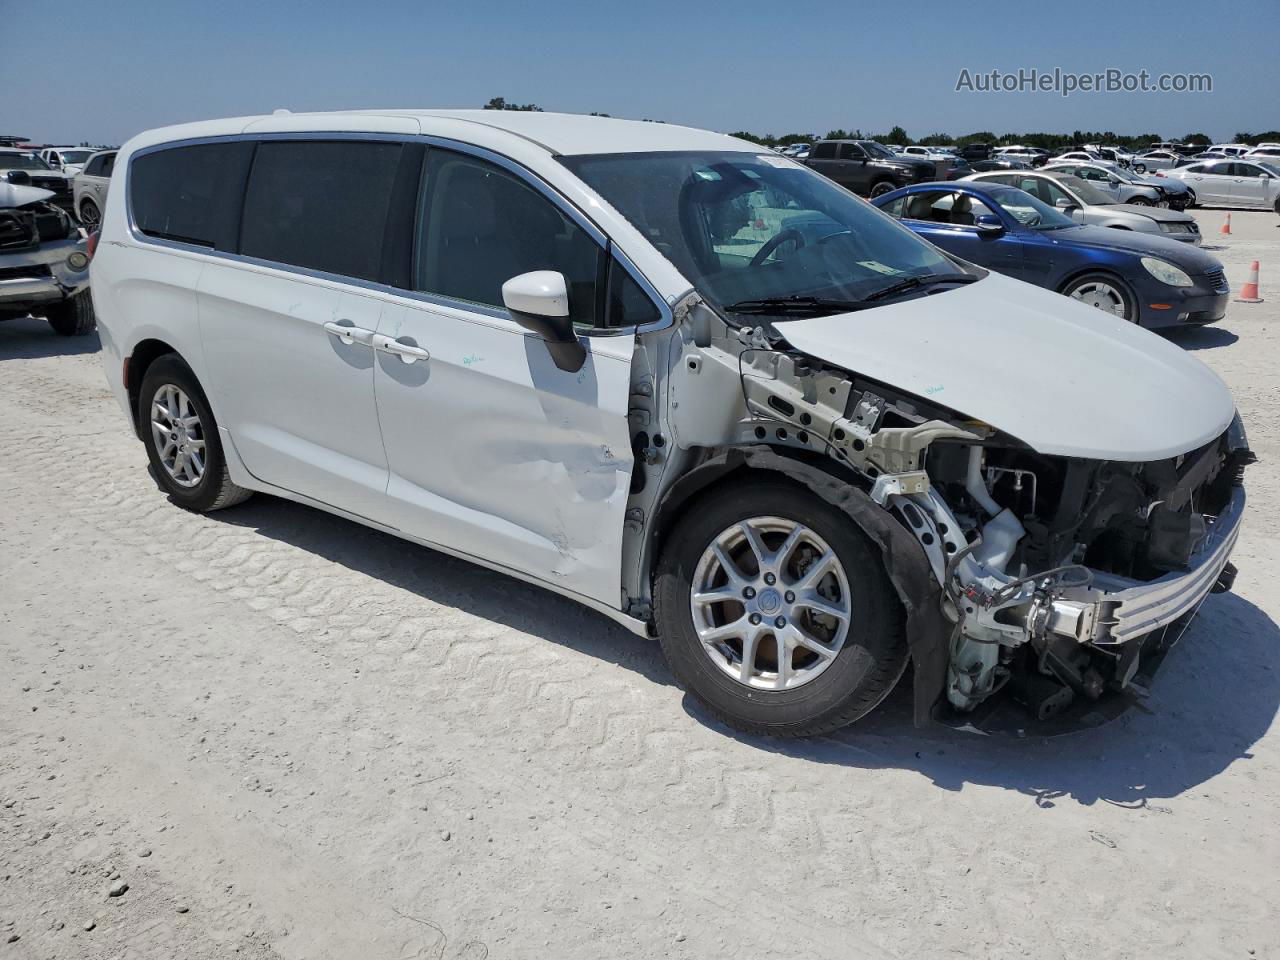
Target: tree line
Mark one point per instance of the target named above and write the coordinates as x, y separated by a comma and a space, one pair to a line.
1043, 141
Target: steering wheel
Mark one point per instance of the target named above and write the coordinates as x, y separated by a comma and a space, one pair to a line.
774, 242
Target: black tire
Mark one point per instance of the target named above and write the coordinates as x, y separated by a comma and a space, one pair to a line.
881, 187
1140, 202
860, 675
215, 490
73, 317
1191, 200
90, 215
1126, 295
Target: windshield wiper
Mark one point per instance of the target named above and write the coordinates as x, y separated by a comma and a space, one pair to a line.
794, 306
911, 283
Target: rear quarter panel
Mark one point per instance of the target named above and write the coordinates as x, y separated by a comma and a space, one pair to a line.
141, 291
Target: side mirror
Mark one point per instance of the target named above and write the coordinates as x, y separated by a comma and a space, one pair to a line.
539, 302
988, 223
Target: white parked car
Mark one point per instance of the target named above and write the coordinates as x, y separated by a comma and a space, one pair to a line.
1266, 152
680, 379
1248, 181
90, 187
928, 153
67, 159
1155, 160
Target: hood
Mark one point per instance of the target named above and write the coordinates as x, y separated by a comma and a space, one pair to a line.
1167, 184
1153, 213
19, 195
918, 163
38, 174
1064, 378
1191, 259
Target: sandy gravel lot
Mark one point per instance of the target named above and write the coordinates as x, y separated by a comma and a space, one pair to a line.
293, 737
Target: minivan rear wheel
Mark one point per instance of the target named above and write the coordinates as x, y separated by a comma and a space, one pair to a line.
776, 613
181, 437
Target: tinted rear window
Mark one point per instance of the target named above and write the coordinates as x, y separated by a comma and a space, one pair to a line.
320, 205
190, 194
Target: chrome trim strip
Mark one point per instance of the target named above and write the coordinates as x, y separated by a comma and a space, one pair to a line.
1127, 609
528, 176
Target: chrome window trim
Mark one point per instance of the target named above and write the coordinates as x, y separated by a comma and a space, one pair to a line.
536, 182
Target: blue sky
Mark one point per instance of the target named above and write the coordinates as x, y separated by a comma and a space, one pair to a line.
116, 67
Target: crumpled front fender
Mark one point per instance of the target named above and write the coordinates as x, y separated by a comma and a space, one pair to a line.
905, 561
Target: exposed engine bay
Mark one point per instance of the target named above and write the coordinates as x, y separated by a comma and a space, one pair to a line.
1057, 576
29, 224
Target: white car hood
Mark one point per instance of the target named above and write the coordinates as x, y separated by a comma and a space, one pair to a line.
1060, 376
17, 194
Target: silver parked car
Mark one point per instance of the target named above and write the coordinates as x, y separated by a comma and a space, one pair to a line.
1243, 182
1084, 203
90, 187
1108, 180
1156, 160
1124, 186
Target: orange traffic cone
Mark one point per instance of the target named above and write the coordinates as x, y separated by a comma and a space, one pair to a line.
1226, 227
1249, 292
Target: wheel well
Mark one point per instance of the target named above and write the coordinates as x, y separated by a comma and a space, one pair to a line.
144, 354
907, 566
728, 471
1098, 271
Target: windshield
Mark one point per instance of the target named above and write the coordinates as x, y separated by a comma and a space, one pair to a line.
75, 156
746, 227
878, 149
1087, 192
1030, 211
21, 161
1271, 166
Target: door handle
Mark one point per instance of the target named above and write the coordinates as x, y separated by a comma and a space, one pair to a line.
349, 334
407, 352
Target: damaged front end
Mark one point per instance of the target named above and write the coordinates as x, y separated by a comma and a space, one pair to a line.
1063, 574
1060, 580
43, 257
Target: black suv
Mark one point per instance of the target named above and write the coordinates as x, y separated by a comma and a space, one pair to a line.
867, 167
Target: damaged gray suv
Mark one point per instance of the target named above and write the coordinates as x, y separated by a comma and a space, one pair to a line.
691, 384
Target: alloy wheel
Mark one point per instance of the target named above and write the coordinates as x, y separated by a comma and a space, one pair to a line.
1100, 294
178, 435
770, 603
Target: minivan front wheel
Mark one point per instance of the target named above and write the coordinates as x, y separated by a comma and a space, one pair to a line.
181, 437
776, 612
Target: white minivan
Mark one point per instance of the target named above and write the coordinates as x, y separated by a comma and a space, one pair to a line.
683, 380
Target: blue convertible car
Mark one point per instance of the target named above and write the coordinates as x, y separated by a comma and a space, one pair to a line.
1149, 280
